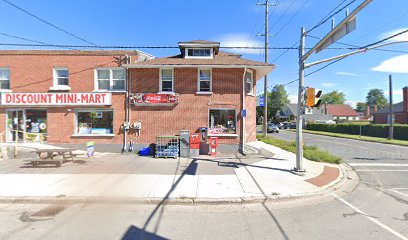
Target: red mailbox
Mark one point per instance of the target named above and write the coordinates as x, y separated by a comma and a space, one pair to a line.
213, 144
195, 141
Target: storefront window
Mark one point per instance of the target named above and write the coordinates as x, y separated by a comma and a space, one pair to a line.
94, 122
222, 121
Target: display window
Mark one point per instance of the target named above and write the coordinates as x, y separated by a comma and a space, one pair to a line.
94, 122
222, 121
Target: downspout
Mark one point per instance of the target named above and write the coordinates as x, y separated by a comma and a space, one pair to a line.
243, 107
126, 109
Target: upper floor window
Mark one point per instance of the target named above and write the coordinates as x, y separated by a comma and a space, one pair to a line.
166, 80
204, 80
4, 78
110, 79
249, 82
61, 77
199, 52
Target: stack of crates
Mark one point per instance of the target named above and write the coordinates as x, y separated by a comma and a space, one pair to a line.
167, 146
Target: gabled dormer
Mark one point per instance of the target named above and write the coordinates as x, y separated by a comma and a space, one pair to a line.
199, 49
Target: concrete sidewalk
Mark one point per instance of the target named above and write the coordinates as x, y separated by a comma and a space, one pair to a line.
268, 178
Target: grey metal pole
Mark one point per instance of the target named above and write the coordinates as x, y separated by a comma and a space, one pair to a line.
391, 124
265, 113
299, 119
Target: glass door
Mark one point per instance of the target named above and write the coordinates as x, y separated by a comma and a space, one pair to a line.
16, 127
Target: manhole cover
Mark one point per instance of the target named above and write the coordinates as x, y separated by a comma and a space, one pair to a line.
50, 211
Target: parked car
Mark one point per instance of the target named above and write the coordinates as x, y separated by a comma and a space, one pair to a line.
289, 125
272, 128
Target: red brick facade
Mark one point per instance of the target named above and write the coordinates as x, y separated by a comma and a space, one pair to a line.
400, 116
33, 73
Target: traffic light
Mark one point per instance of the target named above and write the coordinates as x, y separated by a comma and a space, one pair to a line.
313, 97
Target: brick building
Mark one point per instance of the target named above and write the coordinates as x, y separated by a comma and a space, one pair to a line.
71, 97
212, 88
39, 91
400, 111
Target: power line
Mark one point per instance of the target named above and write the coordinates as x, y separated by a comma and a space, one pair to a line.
283, 14
330, 16
50, 24
290, 20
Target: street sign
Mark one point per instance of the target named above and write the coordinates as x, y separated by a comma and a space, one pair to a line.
243, 113
347, 28
260, 101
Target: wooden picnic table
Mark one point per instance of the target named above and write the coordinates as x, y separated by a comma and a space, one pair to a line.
65, 153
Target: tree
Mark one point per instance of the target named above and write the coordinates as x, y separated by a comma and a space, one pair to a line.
376, 97
334, 97
277, 99
361, 106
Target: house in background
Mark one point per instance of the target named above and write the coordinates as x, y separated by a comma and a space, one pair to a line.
288, 113
341, 112
400, 111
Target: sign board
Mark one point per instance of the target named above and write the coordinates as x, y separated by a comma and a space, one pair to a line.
260, 101
153, 99
55, 99
340, 33
243, 113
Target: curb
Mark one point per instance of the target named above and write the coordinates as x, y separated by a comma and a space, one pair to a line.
346, 174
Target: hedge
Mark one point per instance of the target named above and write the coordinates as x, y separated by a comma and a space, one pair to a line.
372, 130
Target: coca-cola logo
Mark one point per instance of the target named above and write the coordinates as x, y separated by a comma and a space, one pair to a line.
153, 98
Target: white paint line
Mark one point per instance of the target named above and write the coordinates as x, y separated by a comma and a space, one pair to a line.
403, 194
378, 164
382, 170
397, 234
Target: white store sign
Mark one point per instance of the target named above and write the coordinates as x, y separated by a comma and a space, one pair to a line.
56, 99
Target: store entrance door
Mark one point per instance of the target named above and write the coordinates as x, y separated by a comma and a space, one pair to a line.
15, 129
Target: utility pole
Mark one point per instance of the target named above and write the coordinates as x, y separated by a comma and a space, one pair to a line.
265, 109
391, 127
300, 106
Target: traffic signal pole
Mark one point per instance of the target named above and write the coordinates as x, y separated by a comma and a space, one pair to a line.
300, 106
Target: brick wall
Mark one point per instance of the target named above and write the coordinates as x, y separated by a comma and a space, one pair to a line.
34, 73
192, 110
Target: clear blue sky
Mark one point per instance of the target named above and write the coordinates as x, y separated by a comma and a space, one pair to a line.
165, 23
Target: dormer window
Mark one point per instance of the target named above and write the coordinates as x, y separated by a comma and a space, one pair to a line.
199, 53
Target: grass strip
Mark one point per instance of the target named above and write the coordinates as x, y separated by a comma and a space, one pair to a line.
357, 137
312, 153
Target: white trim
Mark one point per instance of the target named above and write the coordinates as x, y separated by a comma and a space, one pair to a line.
199, 57
252, 83
60, 88
110, 79
55, 85
199, 80
93, 135
172, 93
6, 90
204, 93
9, 79
160, 79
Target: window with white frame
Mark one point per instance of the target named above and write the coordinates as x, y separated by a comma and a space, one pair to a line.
111, 79
249, 82
61, 77
204, 80
96, 122
222, 121
199, 52
166, 80
4, 78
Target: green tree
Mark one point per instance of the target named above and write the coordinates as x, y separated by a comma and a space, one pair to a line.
361, 106
334, 97
277, 99
376, 97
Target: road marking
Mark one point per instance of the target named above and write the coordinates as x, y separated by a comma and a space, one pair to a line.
397, 234
403, 194
378, 164
381, 170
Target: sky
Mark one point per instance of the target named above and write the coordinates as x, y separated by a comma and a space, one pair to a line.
232, 23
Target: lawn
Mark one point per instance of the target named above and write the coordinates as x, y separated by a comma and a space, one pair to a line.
312, 153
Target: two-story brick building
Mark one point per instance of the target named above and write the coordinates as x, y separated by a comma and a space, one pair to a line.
72, 97
212, 88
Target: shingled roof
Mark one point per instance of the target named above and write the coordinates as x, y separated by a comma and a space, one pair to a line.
341, 110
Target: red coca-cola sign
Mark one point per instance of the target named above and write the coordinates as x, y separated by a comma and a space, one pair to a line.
153, 99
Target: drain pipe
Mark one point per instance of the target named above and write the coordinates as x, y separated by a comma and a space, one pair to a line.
243, 107
126, 111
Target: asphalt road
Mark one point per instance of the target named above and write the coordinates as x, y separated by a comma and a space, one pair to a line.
376, 209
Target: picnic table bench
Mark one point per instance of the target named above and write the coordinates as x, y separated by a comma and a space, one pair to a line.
48, 158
